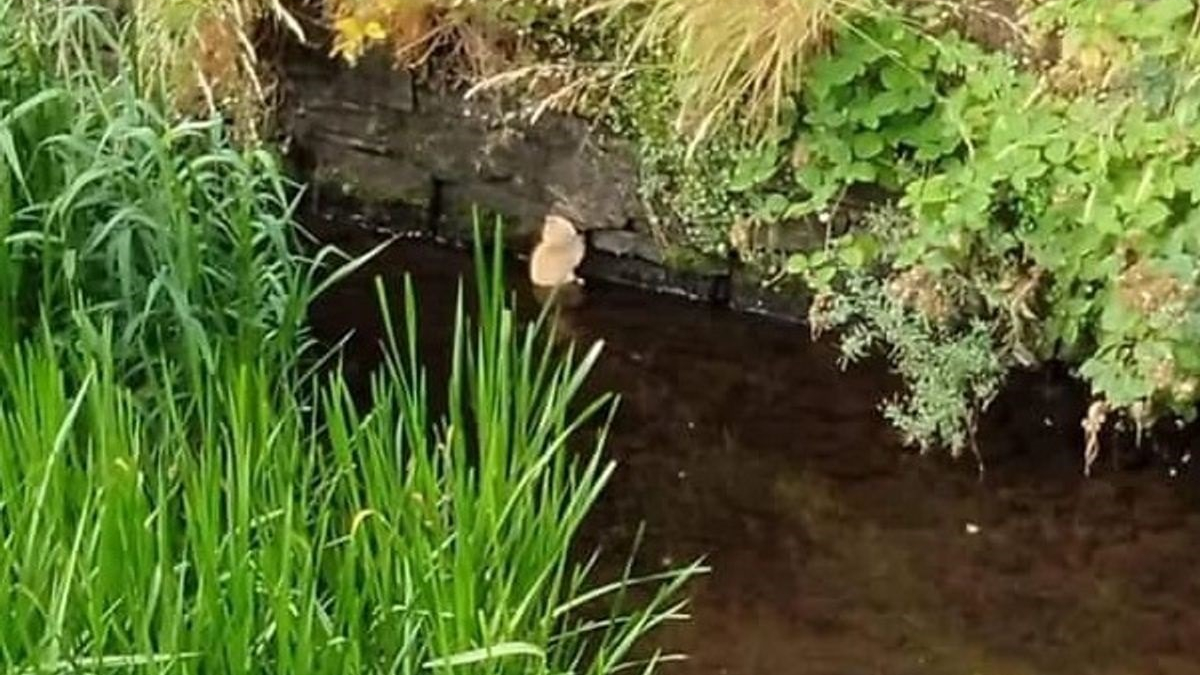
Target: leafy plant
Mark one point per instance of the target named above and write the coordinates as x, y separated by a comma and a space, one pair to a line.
872, 111
1123, 44
952, 365
1071, 219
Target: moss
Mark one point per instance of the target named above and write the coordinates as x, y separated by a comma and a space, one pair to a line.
688, 196
691, 259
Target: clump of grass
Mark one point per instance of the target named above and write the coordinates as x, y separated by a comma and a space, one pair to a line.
734, 62
202, 57
233, 532
110, 212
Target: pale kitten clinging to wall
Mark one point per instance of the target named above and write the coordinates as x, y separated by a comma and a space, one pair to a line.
557, 255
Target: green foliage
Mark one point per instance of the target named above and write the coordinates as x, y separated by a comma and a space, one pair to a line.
688, 195
111, 215
732, 65
865, 119
869, 113
1073, 217
951, 364
227, 533
1145, 46
951, 373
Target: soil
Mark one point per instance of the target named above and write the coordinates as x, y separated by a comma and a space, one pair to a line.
834, 550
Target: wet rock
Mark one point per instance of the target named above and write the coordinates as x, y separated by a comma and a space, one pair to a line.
334, 217
788, 301
370, 177
627, 243
631, 271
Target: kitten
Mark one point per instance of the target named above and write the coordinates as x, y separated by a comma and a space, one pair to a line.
557, 255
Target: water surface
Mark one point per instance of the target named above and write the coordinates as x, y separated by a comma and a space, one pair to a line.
834, 551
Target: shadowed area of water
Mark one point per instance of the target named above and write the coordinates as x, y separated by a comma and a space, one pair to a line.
834, 551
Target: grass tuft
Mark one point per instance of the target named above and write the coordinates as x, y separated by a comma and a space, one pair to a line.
735, 63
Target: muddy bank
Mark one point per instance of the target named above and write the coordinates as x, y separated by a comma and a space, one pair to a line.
836, 552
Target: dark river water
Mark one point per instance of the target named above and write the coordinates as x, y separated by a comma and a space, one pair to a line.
835, 551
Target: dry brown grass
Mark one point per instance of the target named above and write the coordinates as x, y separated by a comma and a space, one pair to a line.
483, 36
202, 55
736, 61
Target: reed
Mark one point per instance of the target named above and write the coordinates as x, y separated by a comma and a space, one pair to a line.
234, 531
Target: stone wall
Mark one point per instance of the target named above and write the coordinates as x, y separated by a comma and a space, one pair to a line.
372, 131
372, 134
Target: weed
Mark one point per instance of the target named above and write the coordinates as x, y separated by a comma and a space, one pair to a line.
202, 57
952, 366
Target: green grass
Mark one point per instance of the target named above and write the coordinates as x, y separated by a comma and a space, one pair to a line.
177, 497
112, 212
229, 532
